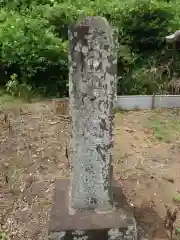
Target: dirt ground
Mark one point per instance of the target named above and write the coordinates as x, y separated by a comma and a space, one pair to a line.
32, 155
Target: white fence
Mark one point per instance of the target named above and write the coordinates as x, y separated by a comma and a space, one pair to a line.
132, 102
129, 102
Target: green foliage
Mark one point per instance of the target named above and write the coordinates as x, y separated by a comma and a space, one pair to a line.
145, 25
177, 231
3, 236
19, 4
29, 48
176, 198
34, 35
142, 28
16, 89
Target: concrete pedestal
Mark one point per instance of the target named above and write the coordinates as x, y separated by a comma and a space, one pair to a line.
117, 225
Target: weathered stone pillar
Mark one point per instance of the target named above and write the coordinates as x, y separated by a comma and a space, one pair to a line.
88, 206
93, 64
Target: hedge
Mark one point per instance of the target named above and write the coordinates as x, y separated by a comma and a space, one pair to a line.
34, 40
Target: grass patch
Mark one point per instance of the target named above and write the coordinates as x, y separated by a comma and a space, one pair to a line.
7, 100
176, 198
164, 126
4, 236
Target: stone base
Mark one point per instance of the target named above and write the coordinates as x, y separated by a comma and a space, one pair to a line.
117, 225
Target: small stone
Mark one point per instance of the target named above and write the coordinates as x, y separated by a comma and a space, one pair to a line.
24, 209
52, 180
129, 129
53, 123
169, 179
6, 165
148, 131
3, 227
42, 167
30, 179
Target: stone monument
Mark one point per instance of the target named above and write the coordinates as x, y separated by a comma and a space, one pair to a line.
87, 207
175, 37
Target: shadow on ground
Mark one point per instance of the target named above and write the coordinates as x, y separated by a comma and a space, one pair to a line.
150, 224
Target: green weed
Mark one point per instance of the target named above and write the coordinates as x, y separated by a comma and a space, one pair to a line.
164, 127
4, 236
